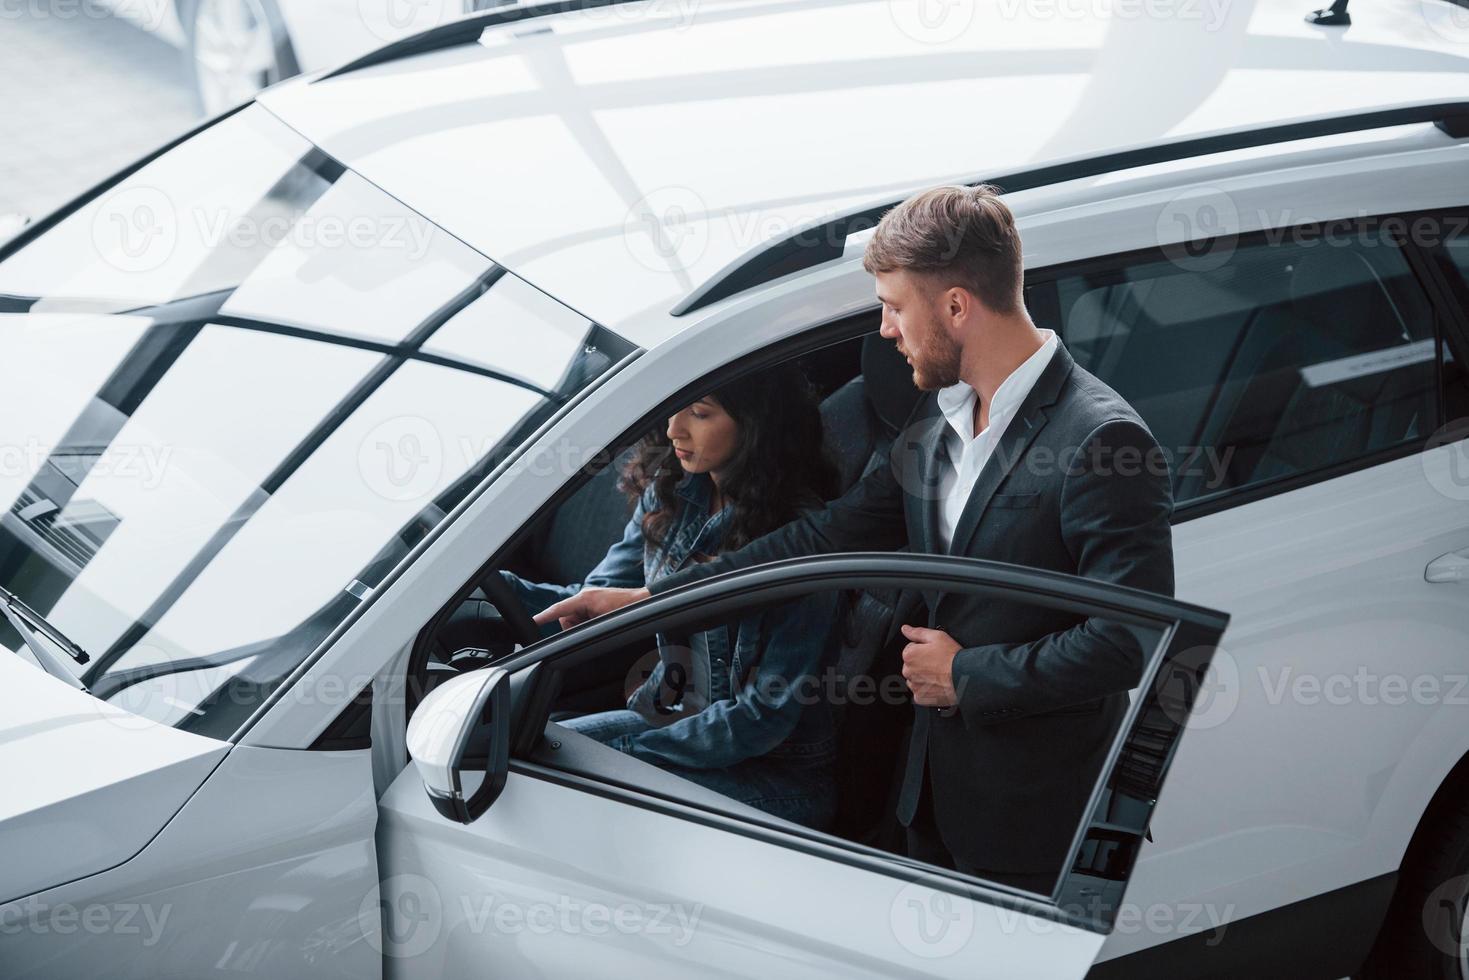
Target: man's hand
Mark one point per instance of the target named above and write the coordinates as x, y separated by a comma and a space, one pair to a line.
928, 666
588, 604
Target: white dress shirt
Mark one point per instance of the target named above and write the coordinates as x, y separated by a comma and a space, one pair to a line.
969, 452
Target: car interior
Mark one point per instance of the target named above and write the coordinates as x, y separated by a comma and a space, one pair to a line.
1255, 387
866, 393
1270, 362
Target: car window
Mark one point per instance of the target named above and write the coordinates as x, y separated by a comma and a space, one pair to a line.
825, 745
1285, 356
238, 387
1454, 259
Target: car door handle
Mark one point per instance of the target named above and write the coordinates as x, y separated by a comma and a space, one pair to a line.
1452, 567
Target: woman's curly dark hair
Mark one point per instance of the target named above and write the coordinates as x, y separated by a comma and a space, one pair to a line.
780, 466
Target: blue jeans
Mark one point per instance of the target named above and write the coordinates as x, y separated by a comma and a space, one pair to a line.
794, 782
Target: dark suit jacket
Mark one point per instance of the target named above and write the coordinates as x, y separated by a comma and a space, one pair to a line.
1077, 484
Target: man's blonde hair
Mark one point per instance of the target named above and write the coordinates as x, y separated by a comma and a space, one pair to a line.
962, 236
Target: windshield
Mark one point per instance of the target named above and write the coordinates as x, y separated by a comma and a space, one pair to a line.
236, 388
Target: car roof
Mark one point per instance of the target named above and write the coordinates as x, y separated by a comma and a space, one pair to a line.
619, 157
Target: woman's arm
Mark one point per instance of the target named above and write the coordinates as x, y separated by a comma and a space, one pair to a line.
622, 566
762, 714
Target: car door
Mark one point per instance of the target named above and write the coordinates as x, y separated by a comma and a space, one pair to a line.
591, 863
1309, 391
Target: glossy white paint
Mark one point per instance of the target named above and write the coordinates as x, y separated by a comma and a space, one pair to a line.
741, 106
556, 882
268, 871
617, 158
1226, 853
87, 785
1337, 702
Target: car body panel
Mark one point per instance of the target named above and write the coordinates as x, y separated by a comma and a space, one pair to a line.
652, 895
652, 145
268, 871
621, 132
1329, 603
88, 785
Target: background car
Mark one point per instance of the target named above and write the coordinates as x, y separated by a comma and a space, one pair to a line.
301, 383
235, 48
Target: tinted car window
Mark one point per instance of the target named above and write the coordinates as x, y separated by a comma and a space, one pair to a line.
1454, 255
236, 389
1289, 357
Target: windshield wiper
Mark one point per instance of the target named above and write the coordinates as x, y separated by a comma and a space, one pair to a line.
28, 623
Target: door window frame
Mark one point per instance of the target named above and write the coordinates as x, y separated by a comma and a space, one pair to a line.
1171, 679
824, 334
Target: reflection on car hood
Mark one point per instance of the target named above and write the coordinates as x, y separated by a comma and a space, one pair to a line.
87, 785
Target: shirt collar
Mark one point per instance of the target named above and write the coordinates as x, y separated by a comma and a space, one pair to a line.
696, 488
957, 400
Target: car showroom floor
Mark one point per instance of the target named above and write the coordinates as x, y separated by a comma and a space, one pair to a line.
82, 93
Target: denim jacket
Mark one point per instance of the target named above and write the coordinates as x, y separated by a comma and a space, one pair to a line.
750, 690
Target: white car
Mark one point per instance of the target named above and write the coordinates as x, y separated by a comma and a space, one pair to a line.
235, 48
277, 400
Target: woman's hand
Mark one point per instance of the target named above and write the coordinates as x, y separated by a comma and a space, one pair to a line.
587, 604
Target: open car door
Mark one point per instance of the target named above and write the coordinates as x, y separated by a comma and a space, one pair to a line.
591, 863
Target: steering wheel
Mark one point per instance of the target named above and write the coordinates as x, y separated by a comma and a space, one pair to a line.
522, 628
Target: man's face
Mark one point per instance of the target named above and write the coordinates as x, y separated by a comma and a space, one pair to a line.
913, 317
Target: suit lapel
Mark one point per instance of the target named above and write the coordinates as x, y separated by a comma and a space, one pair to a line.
933, 456
1027, 423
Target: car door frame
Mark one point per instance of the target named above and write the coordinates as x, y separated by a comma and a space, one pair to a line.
1171, 679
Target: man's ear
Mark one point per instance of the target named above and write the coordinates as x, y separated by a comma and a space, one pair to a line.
959, 306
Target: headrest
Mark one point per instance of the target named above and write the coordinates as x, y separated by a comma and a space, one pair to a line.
888, 381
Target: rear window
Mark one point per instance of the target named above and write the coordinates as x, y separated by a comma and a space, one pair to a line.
1285, 358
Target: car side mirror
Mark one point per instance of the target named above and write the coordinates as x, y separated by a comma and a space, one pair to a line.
463, 726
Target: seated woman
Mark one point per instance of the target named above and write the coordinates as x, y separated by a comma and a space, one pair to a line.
727, 707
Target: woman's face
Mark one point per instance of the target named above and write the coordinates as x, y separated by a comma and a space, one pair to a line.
704, 436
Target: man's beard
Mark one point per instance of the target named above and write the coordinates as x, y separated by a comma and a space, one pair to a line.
937, 364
